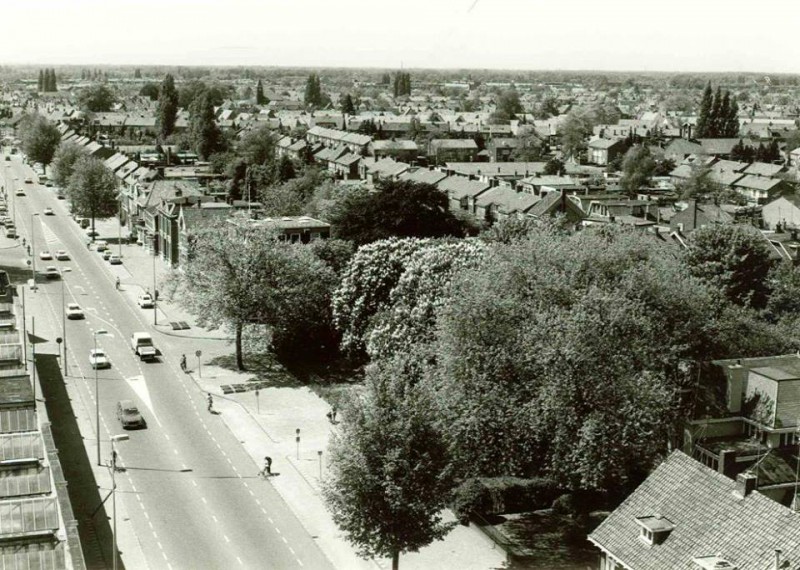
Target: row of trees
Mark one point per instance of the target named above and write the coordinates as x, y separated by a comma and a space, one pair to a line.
718, 116
47, 81
313, 96
761, 153
486, 361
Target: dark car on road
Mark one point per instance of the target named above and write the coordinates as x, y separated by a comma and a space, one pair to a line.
129, 416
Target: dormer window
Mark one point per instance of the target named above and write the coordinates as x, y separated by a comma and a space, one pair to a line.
654, 529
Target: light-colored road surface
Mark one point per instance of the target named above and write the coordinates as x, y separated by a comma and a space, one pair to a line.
189, 489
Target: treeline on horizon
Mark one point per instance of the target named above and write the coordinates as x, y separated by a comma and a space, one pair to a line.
689, 80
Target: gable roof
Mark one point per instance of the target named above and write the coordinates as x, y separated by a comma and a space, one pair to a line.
423, 175
555, 202
458, 187
708, 517
763, 169
507, 200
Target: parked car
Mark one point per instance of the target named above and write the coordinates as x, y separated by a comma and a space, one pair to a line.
28, 180
62, 255
92, 233
115, 259
145, 301
52, 272
45, 255
101, 245
74, 311
11, 233
129, 416
49, 212
20, 192
98, 358
60, 196
106, 254
142, 346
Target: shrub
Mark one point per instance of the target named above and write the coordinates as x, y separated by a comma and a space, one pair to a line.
498, 495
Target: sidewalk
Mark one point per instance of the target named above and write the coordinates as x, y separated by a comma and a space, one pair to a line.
268, 424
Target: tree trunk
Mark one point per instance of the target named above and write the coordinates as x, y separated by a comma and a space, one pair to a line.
239, 359
396, 561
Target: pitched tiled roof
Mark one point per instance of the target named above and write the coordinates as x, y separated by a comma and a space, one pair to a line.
507, 200
458, 187
423, 175
763, 169
708, 517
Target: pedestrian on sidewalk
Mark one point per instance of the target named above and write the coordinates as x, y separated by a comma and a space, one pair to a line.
333, 413
117, 284
267, 472
183, 362
210, 403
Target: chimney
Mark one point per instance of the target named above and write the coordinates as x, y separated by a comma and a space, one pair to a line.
745, 484
737, 377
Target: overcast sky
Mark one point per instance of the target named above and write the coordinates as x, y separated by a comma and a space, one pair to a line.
673, 35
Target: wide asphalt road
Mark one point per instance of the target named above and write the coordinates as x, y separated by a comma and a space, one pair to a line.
191, 491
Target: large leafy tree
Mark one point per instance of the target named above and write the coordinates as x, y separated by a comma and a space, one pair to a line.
66, 156
389, 478
508, 106
638, 166
203, 129
366, 285
523, 383
735, 260
92, 189
40, 139
398, 208
167, 106
529, 147
575, 130
421, 291
237, 275
98, 98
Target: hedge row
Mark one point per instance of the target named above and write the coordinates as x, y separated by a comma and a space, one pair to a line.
499, 495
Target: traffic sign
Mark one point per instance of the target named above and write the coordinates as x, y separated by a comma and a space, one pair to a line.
198, 353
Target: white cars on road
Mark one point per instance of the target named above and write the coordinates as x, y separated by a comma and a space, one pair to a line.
98, 358
74, 311
145, 301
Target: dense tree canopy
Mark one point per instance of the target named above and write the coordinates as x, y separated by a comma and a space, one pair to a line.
92, 189
205, 134
398, 208
40, 139
98, 98
66, 156
238, 275
389, 479
638, 166
732, 259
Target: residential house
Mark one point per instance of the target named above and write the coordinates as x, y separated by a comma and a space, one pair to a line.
759, 189
502, 202
462, 193
374, 170
509, 172
604, 151
538, 185
346, 167
502, 149
423, 175
783, 210
157, 227
354, 142
764, 169
558, 203
698, 215
441, 151
721, 148
400, 150
678, 149
328, 155
685, 516
636, 213
297, 229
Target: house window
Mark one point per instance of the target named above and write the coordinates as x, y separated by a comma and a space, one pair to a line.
315, 235
647, 536
295, 238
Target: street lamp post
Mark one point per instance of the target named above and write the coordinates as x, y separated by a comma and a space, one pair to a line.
97, 393
33, 250
64, 316
155, 291
115, 439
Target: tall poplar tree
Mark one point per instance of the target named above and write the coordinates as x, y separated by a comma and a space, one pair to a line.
40, 86
260, 99
206, 136
703, 118
167, 106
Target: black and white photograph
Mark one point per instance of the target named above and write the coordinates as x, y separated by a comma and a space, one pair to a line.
362, 285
